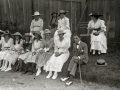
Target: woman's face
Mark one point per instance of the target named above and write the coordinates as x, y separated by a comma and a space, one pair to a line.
54, 15
17, 37
6, 36
47, 35
27, 38
61, 15
36, 35
36, 17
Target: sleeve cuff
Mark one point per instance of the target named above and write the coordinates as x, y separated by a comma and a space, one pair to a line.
79, 57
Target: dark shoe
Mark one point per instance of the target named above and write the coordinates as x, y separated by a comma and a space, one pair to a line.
31, 73
24, 72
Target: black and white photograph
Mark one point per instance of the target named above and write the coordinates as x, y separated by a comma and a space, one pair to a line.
59, 44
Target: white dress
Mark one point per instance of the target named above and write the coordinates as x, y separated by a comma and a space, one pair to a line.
35, 48
56, 63
37, 26
63, 24
6, 47
13, 55
98, 42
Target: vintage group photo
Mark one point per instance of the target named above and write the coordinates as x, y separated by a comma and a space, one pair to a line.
59, 44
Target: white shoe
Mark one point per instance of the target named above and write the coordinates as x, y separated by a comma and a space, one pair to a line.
64, 79
93, 52
54, 77
99, 52
48, 76
3, 69
8, 69
38, 72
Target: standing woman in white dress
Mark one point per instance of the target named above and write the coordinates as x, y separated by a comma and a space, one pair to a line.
7, 46
98, 38
64, 25
31, 59
12, 56
60, 56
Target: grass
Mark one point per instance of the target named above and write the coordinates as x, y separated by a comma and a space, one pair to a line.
105, 75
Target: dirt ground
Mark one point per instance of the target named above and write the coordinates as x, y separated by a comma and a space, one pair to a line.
16, 81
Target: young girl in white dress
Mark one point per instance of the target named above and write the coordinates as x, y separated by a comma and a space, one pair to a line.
12, 56
98, 38
60, 56
24, 52
31, 59
7, 46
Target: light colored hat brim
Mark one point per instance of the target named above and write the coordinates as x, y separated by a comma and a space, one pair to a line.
101, 65
37, 15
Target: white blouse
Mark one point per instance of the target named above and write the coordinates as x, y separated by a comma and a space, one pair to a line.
36, 46
62, 46
36, 25
99, 24
8, 44
63, 23
18, 46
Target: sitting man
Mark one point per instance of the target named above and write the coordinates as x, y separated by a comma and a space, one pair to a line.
80, 57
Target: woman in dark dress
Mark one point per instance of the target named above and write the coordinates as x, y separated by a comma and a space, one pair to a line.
53, 23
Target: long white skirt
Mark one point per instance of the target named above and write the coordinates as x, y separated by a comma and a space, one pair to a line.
99, 42
11, 57
3, 54
56, 63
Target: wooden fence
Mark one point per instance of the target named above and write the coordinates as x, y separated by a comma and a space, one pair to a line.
19, 13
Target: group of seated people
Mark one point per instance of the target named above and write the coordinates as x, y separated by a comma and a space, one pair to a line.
49, 48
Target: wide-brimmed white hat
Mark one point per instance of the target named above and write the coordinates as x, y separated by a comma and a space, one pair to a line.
27, 34
17, 34
46, 31
36, 14
101, 62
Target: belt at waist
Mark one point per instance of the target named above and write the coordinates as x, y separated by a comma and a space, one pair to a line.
36, 26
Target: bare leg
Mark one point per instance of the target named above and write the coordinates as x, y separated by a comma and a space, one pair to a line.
55, 75
38, 71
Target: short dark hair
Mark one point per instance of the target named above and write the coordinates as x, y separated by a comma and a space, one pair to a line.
95, 16
77, 35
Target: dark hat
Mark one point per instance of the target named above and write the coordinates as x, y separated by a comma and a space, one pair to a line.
2, 32
101, 62
63, 12
95, 14
54, 13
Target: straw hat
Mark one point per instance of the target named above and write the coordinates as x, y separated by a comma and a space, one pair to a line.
60, 32
17, 34
63, 12
36, 32
27, 34
95, 14
101, 62
36, 14
7, 32
47, 31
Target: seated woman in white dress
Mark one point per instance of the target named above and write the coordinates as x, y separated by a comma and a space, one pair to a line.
7, 46
12, 56
63, 24
60, 56
31, 59
1, 36
98, 38
24, 52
